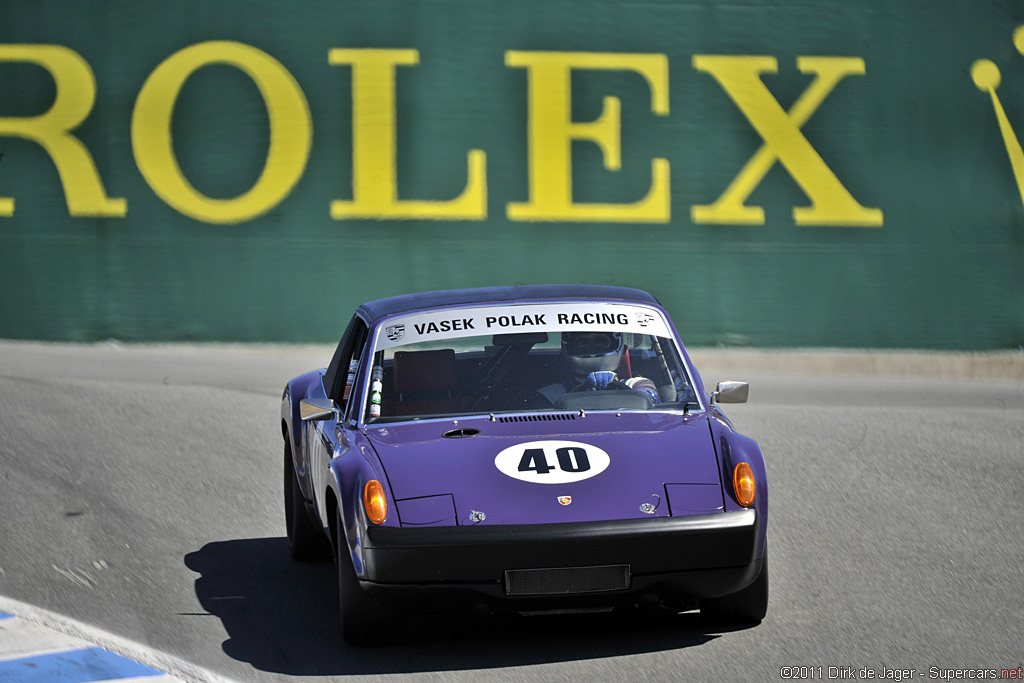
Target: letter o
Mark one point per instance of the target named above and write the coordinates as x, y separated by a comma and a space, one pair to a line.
291, 132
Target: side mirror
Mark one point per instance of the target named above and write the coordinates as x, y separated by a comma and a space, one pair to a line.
730, 392
316, 409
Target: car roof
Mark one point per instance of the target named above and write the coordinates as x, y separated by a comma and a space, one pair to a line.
374, 310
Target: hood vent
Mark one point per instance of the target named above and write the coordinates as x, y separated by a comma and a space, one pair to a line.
539, 418
460, 433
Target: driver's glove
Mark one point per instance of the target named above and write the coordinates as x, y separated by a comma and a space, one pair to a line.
601, 379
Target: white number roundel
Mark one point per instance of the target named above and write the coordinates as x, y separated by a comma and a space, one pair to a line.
552, 462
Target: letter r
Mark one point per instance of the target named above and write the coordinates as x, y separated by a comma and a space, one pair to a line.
76, 93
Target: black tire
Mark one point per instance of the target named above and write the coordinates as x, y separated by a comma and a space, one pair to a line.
744, 607
363, 621
306, 543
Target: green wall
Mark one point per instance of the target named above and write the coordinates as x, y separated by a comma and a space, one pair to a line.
251, 171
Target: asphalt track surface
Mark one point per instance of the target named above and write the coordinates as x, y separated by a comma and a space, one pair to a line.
140, 496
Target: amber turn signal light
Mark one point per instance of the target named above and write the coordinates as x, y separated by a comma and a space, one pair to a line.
374, 502
743, 484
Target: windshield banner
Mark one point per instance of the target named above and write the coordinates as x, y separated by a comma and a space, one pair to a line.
510, 319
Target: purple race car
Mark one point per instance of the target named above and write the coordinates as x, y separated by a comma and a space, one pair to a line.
522, 448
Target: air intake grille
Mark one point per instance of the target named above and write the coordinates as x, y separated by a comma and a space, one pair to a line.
538, 418
566, 580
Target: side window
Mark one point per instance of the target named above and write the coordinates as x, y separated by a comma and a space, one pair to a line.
351, 371
352, 365
340, 376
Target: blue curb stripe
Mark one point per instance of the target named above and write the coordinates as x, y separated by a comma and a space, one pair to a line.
73, 666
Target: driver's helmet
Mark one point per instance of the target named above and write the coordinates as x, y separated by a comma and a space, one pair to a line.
586, 352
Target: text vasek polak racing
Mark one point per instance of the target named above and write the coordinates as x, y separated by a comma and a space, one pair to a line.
522, 449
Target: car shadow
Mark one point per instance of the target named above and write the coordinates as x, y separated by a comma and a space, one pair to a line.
282, 616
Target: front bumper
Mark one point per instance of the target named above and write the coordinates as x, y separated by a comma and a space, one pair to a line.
669, 558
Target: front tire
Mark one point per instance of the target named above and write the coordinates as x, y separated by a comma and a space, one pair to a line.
363, 621
305, 542
744, 607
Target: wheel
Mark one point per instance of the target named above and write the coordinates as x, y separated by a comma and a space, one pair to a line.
305, 542
747, 606
363, 621
614, 385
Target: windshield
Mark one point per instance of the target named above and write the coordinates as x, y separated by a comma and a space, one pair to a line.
539, 357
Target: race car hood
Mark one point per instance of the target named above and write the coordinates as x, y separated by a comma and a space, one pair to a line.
515, 471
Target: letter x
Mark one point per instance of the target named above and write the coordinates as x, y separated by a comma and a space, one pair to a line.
740, 77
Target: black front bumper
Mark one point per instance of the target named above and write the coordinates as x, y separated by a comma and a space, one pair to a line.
669, 558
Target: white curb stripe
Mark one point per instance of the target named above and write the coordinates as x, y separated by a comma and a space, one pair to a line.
20, 622
20, 638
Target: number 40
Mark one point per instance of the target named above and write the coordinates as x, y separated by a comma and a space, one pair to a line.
570, 459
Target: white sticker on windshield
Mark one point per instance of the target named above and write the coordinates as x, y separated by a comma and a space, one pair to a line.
552, 462
557, 317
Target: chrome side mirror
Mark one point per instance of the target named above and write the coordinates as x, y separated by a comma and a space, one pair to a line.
730, 392
315, 409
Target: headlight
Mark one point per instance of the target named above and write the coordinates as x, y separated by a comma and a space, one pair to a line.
743, 484
374, 501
